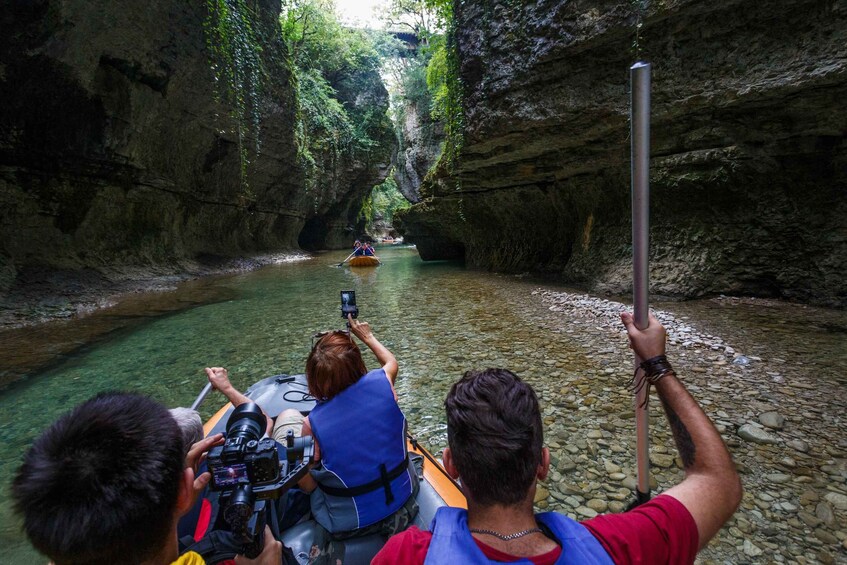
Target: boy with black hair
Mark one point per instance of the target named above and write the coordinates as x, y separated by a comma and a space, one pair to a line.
107, 483
495, 437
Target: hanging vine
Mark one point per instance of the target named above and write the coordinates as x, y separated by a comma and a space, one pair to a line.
235, 59
638, 6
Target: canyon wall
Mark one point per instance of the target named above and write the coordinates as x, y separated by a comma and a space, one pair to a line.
421, 140
749, 161
122, 142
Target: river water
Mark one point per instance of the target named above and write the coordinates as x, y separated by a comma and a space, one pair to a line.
440, 320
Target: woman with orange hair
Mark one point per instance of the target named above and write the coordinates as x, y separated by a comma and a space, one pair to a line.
362, 481
363, 475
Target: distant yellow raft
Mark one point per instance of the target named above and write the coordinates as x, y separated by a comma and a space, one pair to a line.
364, 261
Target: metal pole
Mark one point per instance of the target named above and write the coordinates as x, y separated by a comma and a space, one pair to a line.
202, 396
639, 75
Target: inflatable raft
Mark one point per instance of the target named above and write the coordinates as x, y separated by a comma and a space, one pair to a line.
280, 392
364, 261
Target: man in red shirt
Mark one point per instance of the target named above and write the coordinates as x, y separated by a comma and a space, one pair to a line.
495, 448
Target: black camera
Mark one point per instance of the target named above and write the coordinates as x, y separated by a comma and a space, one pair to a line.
348, 304
244, 458
247, 472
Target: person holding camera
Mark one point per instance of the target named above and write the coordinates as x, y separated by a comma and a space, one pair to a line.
363, 481
107, 482
495, 438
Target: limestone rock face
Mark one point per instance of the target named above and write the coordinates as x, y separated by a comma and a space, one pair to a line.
116, 149
420, 146
118, 145
749, 160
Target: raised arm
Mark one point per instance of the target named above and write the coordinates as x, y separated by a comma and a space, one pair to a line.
711, 490
219, 378
362, 330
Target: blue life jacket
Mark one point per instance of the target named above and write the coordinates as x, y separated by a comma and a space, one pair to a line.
364, 474
452, 541
358, 252
369, 252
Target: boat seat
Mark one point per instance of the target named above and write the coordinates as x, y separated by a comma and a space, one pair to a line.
358, 550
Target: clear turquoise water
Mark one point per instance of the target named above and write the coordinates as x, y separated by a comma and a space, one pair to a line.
438, 318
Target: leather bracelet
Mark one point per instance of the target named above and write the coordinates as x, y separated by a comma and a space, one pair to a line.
656, 367
652, 371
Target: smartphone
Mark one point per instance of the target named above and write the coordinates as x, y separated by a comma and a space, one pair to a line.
348, 304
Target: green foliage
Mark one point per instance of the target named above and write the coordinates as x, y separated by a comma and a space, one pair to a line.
235, 58
437, 73
384, 200
329, 62
445, 87
431, 78
639, 7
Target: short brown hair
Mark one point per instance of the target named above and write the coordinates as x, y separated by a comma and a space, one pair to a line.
334, 364
495, 435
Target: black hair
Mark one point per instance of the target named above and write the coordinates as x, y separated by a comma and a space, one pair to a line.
495, 435
100, 485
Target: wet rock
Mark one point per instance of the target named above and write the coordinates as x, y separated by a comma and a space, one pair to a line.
750, 549
772, 420
586, 512
616, 506
597, 505
809, 519
837, 499
825, 536
749, 432
825, 513
661, 460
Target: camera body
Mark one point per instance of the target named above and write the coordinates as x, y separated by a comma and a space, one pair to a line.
245, 458
248, 472
242, 461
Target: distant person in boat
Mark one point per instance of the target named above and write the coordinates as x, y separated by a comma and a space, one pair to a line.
358, 249
363, 482
107, 483
494, 433
369, 250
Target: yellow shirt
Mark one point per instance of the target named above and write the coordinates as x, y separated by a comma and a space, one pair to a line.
189, 558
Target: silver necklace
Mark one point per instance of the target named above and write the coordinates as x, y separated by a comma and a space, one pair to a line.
507, 537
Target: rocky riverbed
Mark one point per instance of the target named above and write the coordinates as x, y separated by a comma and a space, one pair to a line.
782, 416
770, 374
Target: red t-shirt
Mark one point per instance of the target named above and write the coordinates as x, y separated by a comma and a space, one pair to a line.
659, 531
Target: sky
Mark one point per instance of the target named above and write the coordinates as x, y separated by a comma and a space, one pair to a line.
359, 13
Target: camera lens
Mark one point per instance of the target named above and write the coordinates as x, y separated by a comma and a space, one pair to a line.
247, 422
238, 512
